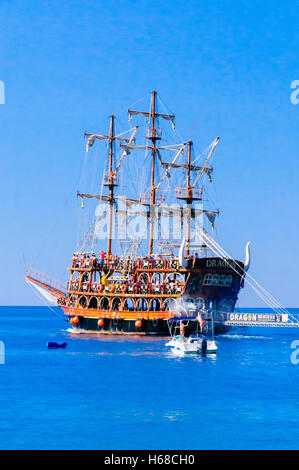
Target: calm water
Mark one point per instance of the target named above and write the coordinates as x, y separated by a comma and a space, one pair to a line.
130, 393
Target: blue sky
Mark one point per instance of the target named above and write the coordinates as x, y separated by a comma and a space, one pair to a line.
224, 67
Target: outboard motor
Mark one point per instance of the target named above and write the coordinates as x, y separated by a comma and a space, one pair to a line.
204, 346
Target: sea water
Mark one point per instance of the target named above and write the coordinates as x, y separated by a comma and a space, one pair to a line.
117, 392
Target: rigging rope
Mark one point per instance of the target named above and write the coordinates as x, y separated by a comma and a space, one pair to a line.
260, 291
266, 293
46, 303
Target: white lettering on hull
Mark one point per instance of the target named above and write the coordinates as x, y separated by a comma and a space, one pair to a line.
220, 263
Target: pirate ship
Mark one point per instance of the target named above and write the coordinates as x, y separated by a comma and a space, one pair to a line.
171, 265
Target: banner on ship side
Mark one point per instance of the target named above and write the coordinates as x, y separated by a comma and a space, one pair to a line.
258, 317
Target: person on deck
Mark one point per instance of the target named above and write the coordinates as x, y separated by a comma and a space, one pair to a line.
75, 261
102, 255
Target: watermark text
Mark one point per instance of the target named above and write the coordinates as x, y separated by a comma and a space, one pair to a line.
294, 97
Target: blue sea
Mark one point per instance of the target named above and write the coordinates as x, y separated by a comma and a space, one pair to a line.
114, 392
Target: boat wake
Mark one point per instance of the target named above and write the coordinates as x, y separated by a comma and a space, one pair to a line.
72, 330
243, 336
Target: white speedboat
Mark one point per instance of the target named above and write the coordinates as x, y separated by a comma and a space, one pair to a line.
194, 344
180, 345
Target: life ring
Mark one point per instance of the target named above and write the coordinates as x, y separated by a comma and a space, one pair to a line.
155, 322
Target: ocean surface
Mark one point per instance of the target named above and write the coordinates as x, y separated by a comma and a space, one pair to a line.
115, 392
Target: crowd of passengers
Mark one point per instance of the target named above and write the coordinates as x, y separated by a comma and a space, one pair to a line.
87, 261
125, 287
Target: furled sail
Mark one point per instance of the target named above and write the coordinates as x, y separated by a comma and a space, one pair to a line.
91, 139
211, 216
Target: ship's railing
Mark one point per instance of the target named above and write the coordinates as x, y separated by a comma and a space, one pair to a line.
199, 251
44, 278
157, 135
107, 180
158, 263
121, 287
182, 193
146, 198
154, 263
119, 264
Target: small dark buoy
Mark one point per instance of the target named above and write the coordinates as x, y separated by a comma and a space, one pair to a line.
54, 345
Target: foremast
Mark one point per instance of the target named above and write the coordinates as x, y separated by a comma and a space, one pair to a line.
110, 179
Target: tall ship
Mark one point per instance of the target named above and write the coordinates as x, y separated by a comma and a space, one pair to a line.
148, 253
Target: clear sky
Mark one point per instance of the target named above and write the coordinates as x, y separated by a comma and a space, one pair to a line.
224, 67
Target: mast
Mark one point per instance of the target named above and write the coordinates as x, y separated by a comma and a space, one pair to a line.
111, 186
190, 193
153, 189
189, 199
110, 179
152, 115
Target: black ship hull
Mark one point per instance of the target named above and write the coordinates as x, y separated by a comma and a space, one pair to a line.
159, 327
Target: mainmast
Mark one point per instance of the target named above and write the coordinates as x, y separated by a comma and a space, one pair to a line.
152, 135
153, 189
